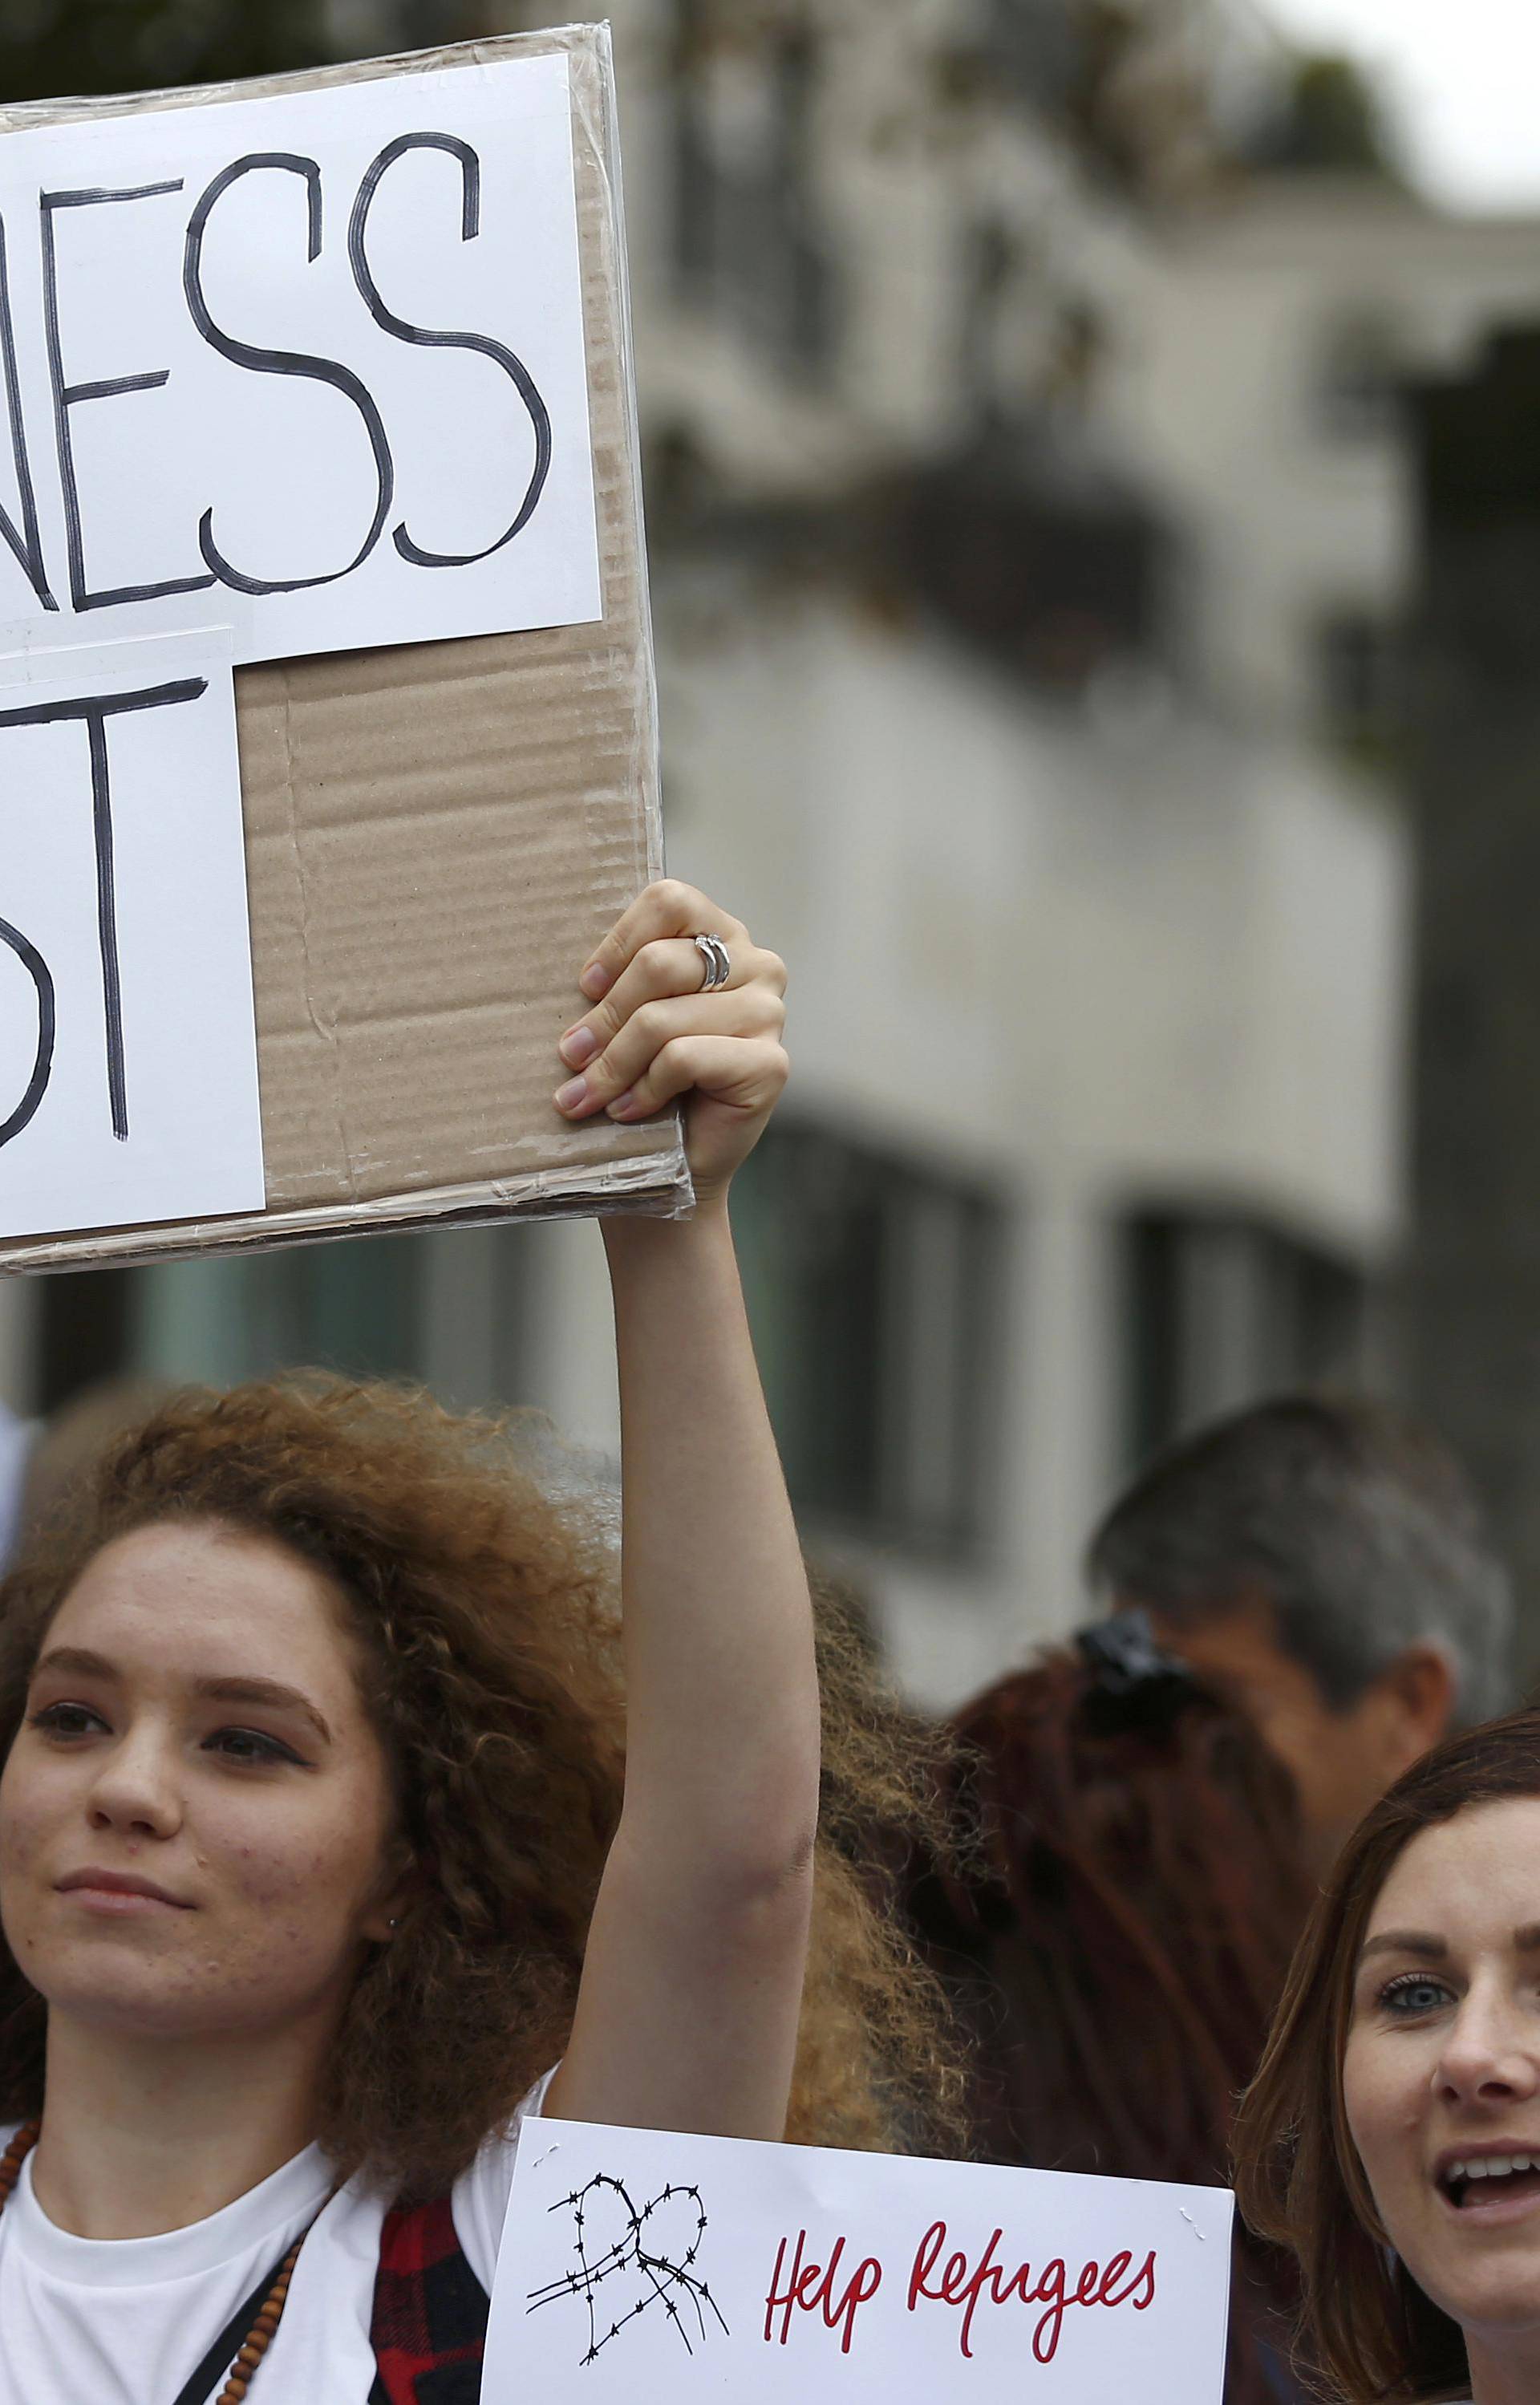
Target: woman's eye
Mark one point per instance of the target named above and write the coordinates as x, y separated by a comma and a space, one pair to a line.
1415, 1993
249, 1745
66, 1720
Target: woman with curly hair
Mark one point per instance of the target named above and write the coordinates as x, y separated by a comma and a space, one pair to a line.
335, 1810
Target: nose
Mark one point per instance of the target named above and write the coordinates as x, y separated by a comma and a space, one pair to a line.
1493, 2051
135, 1794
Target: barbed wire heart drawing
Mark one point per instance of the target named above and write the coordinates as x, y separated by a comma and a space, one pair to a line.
656, 2247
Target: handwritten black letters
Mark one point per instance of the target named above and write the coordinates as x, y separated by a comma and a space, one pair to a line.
311, 365
92, 713
24, 540
127, 1064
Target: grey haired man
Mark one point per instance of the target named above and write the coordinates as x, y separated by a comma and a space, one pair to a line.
1324, 1563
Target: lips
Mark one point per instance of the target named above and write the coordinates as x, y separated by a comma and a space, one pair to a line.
125, 1884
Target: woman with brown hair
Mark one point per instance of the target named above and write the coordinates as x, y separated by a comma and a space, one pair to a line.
1121, 1931
325, 1833
1391, 2138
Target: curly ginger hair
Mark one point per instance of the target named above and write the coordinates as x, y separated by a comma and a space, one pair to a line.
488, 1637
1117, 1924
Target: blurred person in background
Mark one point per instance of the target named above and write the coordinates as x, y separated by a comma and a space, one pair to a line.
66, 1449
18, 1439
1115, 1925
42, 1461
1324, 1563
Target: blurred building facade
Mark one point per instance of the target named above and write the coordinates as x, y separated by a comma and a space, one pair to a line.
1031, 530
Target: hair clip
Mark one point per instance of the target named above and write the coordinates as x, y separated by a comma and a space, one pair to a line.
1134, 1683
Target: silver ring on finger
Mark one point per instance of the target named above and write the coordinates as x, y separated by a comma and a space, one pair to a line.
719, 968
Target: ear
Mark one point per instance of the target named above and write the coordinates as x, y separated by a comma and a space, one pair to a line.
400, 1888
1418, 1691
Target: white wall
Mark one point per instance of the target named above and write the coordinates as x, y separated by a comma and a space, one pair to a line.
1167, 956
1094, 968
1218, 387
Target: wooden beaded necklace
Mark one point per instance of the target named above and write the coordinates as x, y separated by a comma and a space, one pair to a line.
243, 2370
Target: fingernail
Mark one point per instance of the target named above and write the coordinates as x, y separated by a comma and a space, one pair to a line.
578, 1046
571, 1094
595, 980
623, 1106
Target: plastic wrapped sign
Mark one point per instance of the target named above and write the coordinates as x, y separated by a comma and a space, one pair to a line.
335, 369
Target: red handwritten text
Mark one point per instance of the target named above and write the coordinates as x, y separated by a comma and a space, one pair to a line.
968, 2285
811, 2290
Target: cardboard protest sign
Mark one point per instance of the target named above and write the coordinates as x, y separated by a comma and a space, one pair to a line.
340, 362
659, 2269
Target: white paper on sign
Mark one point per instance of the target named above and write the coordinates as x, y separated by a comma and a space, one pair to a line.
651, 2269
128, 1048
318, 358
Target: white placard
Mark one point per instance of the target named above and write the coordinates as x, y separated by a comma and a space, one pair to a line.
657, 2270
311, 367
128, 1049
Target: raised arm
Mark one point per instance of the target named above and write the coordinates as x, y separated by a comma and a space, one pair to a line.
691, 1984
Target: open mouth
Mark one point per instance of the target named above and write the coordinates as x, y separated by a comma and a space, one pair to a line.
1491, 2179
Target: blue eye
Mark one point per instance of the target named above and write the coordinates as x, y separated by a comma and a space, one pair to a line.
1414, 1992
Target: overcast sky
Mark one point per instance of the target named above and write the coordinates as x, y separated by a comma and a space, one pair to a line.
1465, 81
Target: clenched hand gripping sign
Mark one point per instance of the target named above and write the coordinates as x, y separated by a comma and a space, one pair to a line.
659, 2269
298, 374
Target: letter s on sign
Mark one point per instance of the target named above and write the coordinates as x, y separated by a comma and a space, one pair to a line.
539, 416
300, 363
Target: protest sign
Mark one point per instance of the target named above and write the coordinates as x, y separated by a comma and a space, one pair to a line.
341, 362
660, 2268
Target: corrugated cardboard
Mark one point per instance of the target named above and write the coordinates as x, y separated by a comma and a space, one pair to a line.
435, 838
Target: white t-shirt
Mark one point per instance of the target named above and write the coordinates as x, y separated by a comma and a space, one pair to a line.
126, 2321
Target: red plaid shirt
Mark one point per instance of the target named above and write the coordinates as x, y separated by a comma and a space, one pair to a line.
430, 2312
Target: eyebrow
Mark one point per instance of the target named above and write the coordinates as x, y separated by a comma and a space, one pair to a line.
238, 1690
1419, 1942
1429, 1948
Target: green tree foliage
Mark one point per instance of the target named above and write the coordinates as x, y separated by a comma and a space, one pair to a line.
1331, 118
49, 48
52, 48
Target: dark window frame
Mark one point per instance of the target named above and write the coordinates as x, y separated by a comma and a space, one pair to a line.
746, 244
1309, 1311
874, 1278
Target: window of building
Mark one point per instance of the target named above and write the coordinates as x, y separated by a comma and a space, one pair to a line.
1223, 1310
874, 1291
352, 1306
450, 1308
989, 267
1040, 45
747, 246
84, 1333
1358, 676
1362, 377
